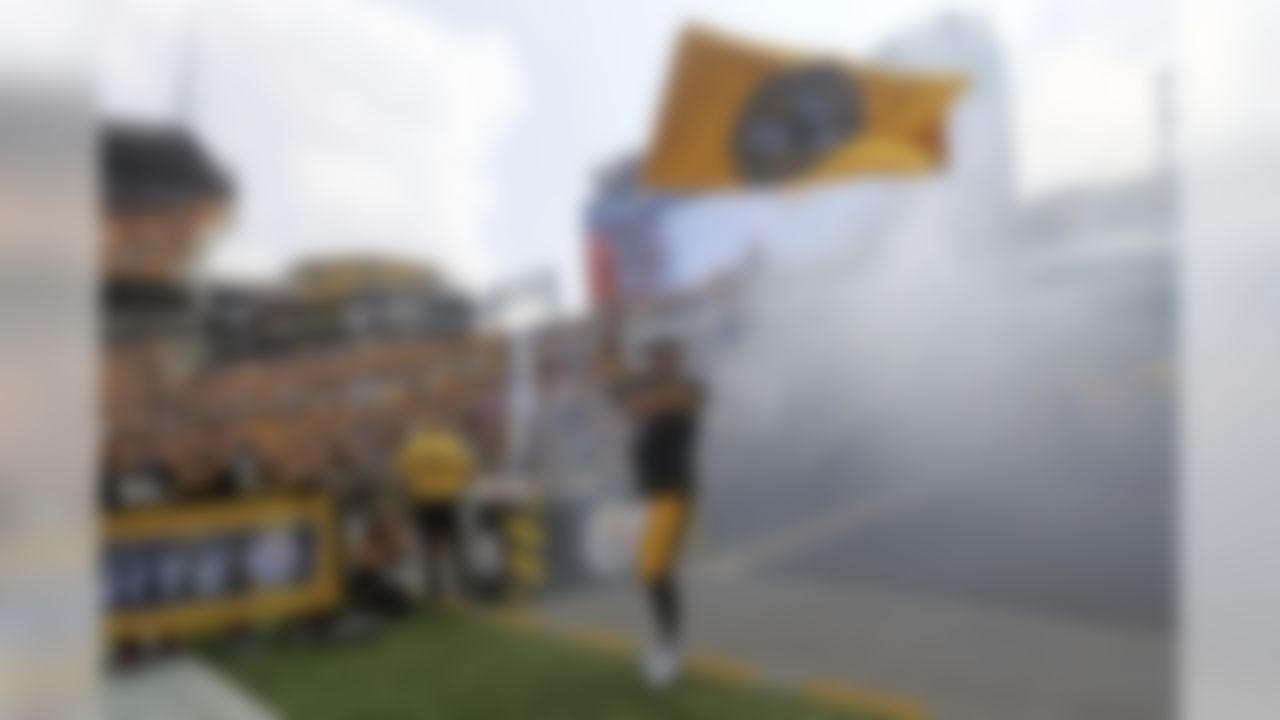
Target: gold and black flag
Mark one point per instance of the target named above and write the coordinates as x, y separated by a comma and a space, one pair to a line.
740, 114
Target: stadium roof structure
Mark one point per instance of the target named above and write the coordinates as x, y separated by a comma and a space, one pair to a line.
145, 167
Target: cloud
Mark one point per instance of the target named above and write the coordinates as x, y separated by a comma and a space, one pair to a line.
138, 46
352, 125
1084, 77
1088, 118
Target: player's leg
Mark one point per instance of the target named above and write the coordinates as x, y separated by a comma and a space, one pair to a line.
429, 535
453, 553
664, 599
665, 522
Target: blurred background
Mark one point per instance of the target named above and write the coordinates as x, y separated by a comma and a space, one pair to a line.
940, 452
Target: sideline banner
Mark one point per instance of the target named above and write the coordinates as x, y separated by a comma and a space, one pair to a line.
188, 570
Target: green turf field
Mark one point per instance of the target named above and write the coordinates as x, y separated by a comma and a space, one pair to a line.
463, 668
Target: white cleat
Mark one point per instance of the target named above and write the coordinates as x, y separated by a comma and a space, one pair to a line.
661, 664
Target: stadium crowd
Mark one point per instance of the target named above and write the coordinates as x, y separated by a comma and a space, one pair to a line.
391, 435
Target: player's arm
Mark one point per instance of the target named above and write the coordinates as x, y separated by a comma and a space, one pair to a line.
609, 369
611, 376
666, 397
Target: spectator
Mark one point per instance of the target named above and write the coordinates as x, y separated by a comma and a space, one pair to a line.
199, 468
435, 465
133, 477
377, 543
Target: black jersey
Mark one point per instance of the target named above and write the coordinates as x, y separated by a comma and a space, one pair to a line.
665, 442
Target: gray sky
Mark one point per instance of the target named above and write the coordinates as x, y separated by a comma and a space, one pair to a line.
467, 132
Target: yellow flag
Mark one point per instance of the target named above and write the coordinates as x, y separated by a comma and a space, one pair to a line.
739, 114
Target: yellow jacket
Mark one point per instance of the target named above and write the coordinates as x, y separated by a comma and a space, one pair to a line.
434, 465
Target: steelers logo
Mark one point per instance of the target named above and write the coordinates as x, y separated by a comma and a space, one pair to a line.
793, 121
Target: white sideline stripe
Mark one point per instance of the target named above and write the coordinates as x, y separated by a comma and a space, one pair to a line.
185, 688
782, 544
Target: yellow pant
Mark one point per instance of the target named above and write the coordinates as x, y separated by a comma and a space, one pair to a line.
666, 517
